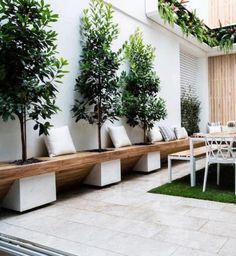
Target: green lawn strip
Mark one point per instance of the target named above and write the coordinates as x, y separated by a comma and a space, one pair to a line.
222, 193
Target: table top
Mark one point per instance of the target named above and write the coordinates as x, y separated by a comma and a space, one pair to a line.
216, 134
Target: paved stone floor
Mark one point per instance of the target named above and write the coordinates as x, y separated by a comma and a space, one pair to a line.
126, 220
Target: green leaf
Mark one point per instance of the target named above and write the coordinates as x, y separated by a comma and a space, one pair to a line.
29, 68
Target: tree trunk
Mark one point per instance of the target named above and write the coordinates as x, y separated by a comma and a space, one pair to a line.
145, 139
99, 138
22, 119
99, 127
99, 114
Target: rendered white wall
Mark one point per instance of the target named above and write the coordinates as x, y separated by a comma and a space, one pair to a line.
129, 17
201, 7
202, 92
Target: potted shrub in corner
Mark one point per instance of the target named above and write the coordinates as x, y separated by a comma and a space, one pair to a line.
190, 111
97, 84
141, 104
29, 70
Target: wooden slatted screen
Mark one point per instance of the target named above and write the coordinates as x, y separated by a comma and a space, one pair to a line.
188, 73
222, 88
223, 10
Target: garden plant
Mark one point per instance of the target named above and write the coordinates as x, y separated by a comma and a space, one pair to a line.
174, 12
190, 111
141, 104
29, 67
97, 83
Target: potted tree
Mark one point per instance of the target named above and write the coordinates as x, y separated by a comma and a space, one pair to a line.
141, 104
97, 83
29, 70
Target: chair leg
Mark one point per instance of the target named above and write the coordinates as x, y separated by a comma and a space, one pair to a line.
218, 174
170, 169
205, 177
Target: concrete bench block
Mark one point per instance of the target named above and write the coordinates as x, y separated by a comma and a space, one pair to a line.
149, 162
30, 192
104, 173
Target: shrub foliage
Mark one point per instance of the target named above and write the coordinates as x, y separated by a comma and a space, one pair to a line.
29, 70
97, 83
190, 110
141, 85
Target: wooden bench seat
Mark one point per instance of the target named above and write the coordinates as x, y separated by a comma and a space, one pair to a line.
72, 169
200, 151
185, 155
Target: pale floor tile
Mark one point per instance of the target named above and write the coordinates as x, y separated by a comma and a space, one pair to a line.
162, 206
191, 252
229, 249
220, 228
107, 221
124, 219
192, 239
73, 231
210, 214
121, 197
229, 208
196, 203
84, 204
114, 223
136, 246
179, 221
128, 212
60, 244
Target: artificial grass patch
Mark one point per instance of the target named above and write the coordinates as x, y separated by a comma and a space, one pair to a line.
222, 193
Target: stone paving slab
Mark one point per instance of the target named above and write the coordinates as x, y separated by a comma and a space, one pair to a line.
126, 220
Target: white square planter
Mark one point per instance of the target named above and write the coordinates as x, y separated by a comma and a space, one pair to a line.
31, 192
104, 173
149, 162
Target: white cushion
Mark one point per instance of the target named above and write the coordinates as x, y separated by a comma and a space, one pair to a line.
167, 133
59, 142
214, 129
180, 133
155, 135
214, 123
119, 136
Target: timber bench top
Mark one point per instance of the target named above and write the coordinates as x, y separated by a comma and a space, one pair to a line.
73, 161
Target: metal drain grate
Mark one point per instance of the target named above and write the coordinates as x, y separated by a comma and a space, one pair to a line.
13, 246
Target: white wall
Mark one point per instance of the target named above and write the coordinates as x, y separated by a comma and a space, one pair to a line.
84, 135
201, 7
202, 91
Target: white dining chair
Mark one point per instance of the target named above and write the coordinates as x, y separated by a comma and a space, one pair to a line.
219, 150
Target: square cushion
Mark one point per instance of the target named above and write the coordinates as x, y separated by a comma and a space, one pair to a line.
214, 123
214, 129
59, 142
155, 135
180, 133
167, 133
119, 136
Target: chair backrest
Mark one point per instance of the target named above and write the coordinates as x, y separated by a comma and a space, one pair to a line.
220, 149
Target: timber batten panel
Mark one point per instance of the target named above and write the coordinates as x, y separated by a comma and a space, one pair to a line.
222, 88
223, 10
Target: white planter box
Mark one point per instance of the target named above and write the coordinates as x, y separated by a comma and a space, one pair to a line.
104, 173
28, 193
149, 162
